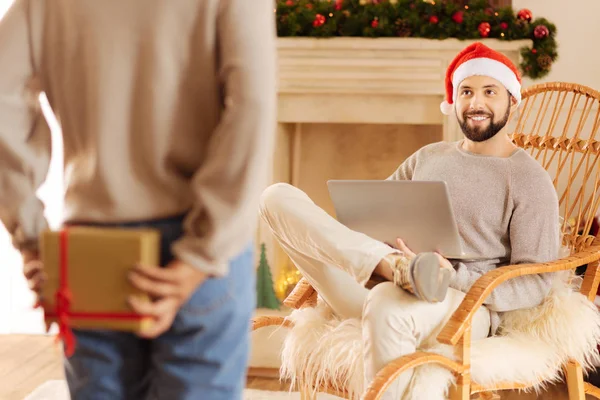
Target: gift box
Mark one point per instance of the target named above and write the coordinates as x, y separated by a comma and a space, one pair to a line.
87, 269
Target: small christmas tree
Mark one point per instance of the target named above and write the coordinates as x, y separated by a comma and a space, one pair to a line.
265, 294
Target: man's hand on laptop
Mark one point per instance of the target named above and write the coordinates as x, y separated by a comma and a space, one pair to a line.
427, 275
400, 245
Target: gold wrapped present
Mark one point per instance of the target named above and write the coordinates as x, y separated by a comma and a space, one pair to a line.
87, 271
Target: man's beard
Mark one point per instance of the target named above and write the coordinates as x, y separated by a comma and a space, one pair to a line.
476, 134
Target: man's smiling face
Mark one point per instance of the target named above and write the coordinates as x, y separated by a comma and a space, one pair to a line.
482, 107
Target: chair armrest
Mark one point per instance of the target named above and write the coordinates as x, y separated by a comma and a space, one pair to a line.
261, 322
483, 287
303, 292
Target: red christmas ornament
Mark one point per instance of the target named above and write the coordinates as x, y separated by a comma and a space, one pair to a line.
484, 29
541, 31
534, 51
375, 23
433, 20
319, 20
525, 15
338, 4
309, 6
458, 17
503, 26
289, 3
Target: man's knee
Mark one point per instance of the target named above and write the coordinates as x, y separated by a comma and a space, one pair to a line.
272, 196
274, 199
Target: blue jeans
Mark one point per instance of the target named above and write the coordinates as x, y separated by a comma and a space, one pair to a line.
203, 356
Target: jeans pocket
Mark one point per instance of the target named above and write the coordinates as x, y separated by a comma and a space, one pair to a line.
239, 285
209, 296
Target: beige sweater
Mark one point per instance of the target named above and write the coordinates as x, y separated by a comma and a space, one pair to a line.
506, 210
166, 106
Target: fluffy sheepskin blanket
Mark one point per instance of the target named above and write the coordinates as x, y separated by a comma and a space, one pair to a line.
321, 350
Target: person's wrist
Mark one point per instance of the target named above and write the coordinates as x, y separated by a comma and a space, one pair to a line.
29, 255
198, 276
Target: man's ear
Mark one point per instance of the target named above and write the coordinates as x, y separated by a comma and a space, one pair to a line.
514, 108
514, 104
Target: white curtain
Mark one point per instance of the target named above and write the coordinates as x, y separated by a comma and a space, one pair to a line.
16, 301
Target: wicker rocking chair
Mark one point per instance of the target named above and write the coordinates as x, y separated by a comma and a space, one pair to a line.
557, 125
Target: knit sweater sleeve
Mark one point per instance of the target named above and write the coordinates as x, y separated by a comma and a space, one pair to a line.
25, 145
534, 238
405, 171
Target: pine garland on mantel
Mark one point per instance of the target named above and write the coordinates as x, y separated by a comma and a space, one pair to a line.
431, 19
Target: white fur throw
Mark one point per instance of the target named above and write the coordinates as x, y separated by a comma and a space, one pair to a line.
321, 350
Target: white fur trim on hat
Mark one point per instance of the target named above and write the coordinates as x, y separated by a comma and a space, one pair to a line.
487, 67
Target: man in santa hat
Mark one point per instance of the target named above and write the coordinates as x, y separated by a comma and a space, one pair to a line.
504, 202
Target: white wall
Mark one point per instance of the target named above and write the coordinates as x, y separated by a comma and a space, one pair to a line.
578, 35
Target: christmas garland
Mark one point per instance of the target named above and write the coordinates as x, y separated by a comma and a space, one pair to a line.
431, 19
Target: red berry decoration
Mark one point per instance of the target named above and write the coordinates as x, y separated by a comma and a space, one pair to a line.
458, 17
541, 31
433, 20
289, 3
375, 23
338, 4
525, 15
484, 29
319, 20
503, 26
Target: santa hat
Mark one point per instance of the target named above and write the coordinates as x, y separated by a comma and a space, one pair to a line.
478, 59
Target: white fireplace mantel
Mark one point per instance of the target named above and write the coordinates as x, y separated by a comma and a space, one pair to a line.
365, 80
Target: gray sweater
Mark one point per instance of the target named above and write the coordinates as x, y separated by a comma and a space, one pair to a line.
506, 210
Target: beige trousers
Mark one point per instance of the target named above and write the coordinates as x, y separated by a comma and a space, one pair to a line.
338, 262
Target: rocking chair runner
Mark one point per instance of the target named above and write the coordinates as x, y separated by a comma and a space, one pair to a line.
557, 125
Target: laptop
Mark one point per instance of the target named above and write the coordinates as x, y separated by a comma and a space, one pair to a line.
418, 212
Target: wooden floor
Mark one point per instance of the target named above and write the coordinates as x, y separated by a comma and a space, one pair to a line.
28, 361
25, 363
